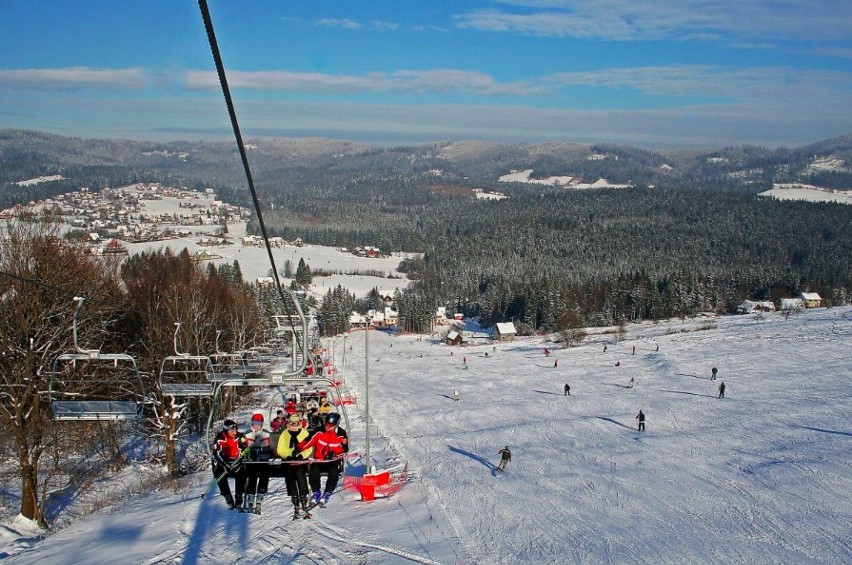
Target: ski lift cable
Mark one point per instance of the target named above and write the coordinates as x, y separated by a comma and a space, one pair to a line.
232, 114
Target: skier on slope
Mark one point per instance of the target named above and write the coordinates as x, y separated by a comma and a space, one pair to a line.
505, 456
329, 446
296, 479
713, 373
722, 389
567, 390
228, 462
641, 417
260, 449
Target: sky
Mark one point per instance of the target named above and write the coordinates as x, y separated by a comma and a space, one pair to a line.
760, 476
665, 74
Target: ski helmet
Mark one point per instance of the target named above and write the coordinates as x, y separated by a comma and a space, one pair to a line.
229, 425
332, 418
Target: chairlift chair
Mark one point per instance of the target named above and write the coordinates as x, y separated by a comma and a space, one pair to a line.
87, 385
183, 374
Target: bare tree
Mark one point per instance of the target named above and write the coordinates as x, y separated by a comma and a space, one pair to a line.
40, 276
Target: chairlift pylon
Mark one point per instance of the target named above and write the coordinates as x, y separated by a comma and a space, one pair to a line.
75, 397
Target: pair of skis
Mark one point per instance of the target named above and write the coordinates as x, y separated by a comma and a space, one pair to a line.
252, 504
306, 512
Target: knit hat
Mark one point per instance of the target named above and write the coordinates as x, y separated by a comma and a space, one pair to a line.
294, 419
229, 424
257, 418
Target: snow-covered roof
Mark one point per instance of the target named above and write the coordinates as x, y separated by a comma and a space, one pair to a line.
505, 328
810, 296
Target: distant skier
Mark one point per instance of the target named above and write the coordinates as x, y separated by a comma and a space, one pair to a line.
632, 383
546, 352
657, 348
618, 363
714, 370
505, 457
456, 395
722, 389
555, 363
641, 417
634, 350
604, 349
567, 390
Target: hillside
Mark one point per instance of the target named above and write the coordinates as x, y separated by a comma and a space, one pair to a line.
284, 166
760, 476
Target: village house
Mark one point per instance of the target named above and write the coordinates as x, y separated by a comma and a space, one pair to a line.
504, 331
357, 320
391, 317
752, 306
788, 304
441, 316
387, 296
453, 338
811, 299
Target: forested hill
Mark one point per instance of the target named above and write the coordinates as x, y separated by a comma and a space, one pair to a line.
690, 235
284, 168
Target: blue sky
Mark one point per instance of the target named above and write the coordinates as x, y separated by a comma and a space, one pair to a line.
662, 74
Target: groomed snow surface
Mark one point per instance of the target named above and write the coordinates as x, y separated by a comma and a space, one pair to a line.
761, 476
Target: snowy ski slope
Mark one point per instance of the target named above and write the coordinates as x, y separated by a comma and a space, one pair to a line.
762, 476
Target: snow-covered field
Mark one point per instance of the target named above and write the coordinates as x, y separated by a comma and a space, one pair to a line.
761, 476
809, 193
254, 261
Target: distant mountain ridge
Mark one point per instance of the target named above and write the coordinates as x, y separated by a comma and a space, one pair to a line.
282, 164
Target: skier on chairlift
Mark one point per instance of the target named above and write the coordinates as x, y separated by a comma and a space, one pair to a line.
260, 449
329, 446
227, 462
296, 479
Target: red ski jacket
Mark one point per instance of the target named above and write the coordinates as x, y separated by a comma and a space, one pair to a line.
325, 442
229, 447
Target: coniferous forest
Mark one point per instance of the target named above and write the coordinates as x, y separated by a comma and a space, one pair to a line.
604, 256
691, 234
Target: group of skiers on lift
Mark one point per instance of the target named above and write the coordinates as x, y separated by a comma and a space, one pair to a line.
311, 450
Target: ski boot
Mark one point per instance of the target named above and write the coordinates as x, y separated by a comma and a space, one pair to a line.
229, 500
297, 513
238, 502
324, 499
258, 500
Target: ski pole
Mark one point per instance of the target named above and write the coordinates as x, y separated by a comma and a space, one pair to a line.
216, 480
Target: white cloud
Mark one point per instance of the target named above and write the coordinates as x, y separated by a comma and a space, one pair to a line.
344, 23
628, 20
407, 81
74, 77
